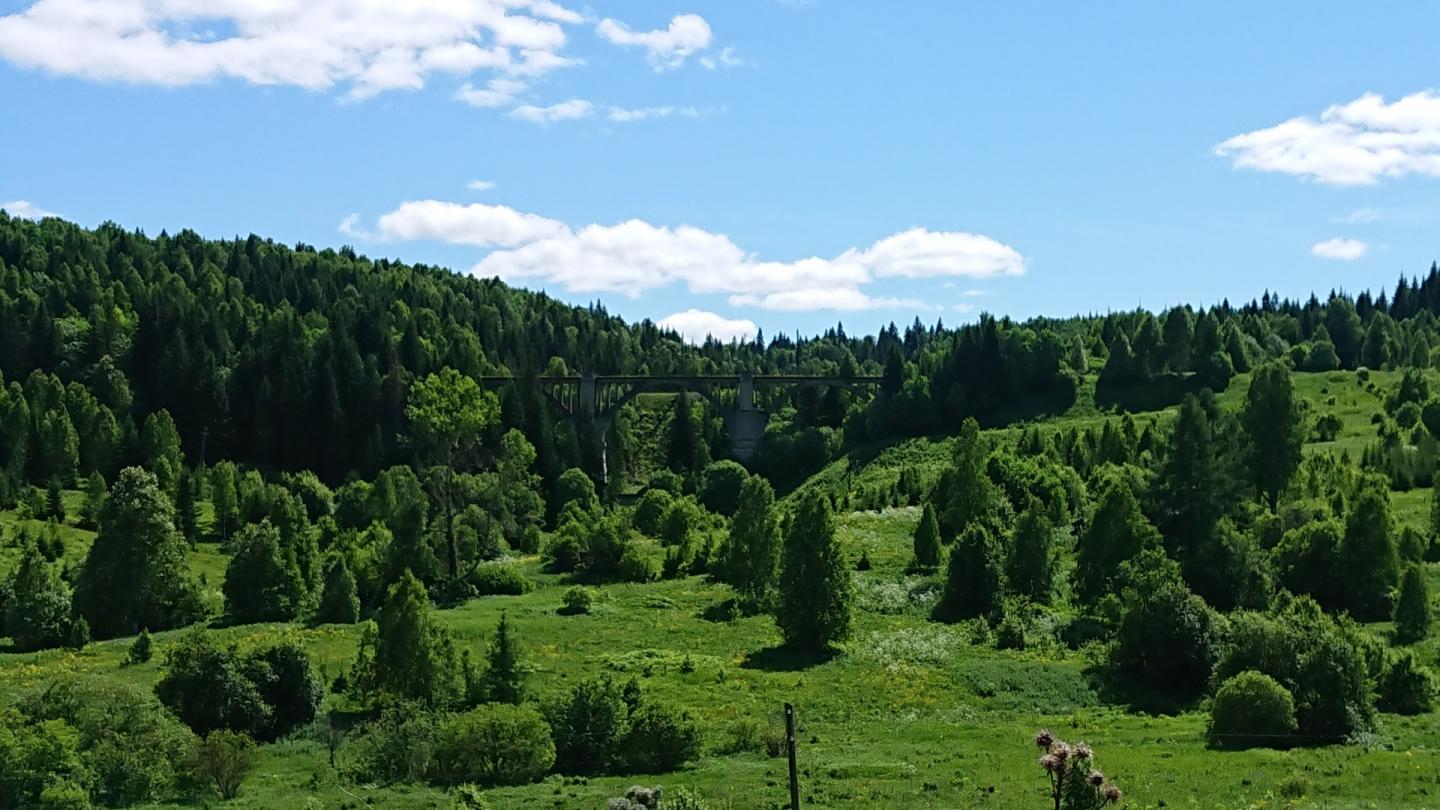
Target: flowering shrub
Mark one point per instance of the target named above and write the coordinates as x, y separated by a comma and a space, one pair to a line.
1075, 782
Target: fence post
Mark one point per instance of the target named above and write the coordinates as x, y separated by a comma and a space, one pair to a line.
790, 752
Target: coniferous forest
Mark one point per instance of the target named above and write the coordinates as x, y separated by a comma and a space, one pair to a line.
265, 537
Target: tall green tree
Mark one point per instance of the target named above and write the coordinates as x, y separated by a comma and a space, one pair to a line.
1412, 607
160, 450
1031, 568
975, 576
964, 494
261, 585
1368, 558
504, 679
225, 500
339, 600
449, 414
1274, 431
816, 592
751, 551
1117, 531
407, 653
136, 574
927, 540
685, 452
37, 610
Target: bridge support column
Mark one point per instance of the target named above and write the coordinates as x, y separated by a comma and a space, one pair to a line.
589, 404
745, 428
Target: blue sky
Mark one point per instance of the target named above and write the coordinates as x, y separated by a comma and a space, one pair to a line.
748, 163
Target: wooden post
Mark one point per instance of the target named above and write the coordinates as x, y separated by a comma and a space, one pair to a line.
790, 752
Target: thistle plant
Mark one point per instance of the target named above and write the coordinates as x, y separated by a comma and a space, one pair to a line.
1075, 782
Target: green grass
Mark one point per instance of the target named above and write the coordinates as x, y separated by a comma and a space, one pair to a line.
911, 714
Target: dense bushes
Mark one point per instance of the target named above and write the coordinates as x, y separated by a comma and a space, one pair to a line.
265, 693
600, 727
494, 744
1252, 709
499, 578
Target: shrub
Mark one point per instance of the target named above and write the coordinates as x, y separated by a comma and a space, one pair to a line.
636, 566
650, 511
224, 758
576, 600
494, 744
720, 483
587, 725
397, 746
500, 579
1251, 708
64, 795
265, 694
141, 649
659, 738
562, 552
1406, 687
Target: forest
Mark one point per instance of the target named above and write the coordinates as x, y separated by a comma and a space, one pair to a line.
266, 540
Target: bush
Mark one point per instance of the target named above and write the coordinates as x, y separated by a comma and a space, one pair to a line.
494, 744
587, 725
576, 600
1406, 687
650, 511
397, 746
64, 795
636, 566
500, 579
265, 694
720, 483
563, 551
141, 649
659, 738
1251, 708
225, 759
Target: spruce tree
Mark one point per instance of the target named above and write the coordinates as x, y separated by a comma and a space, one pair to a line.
94, 501
503, 681
54, 501
1412, 607
816, 593
975, 576
339, 602
965, 493
187, 508
751, 552
1117, 532
927, 540
1368, 559
1031, 569
136, 574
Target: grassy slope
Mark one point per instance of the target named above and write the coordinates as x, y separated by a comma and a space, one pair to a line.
910, 715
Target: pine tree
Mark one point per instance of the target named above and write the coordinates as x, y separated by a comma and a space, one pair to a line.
261, 584
816, 593
503, 681
141, 649
1412, 607
339, 602
927, 540
964, 494
1031, 570
975, 576
751, 551
683, 453
1117, 532
137, 574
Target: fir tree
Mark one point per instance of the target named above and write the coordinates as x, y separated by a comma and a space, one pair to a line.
1274, 431
1412, 607
503, 681
407, 653
750, 553
94, 501
927, 540
1031, 570
339, 602
54, 501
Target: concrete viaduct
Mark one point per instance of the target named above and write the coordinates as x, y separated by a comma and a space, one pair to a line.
598, 397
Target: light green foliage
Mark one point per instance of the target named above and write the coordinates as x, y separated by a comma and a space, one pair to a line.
493, 745
1118, 531
407, 653
1252, 708
141, 649
136, 573
34, 756
650, 511
224, 759
816, 594
1030, 570
750, 552
37, 611
160, 450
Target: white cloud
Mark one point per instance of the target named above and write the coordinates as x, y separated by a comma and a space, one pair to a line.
478, 225
24, 209
622, 115
665, 48
1342, 249
564, 111
1351, 144
364, 48
495, 93
635, 256
480, 185
695, 325
726, 58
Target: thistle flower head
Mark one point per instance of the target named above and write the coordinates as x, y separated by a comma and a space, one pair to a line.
1061, 750
1049, 762
1097, 778
1043, 738
1111, 793
1083, 751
